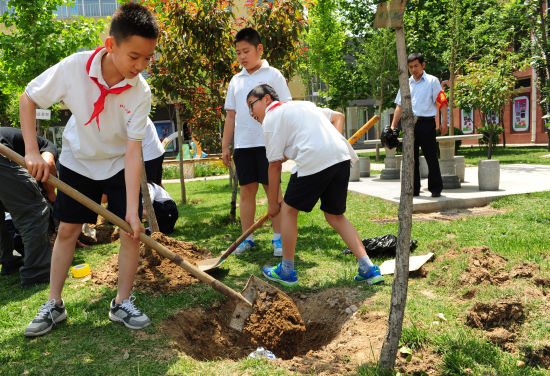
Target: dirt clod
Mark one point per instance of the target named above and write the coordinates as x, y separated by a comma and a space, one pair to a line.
155, 273
484, 267
505, 314
275, 324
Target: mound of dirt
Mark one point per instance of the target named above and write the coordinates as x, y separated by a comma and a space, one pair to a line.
524, 270
338, 337
484, 267
505, 314
502, 337
539, 356
542, 282
275, 324
156, 274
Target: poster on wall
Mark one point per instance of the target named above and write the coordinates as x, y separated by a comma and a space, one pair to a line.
164, 129
492, 118
520, 117
467, 121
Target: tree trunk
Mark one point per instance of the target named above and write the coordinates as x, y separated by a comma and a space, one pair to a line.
180, 152
452, 72
401, 279
501, 120
233, 181
148, 205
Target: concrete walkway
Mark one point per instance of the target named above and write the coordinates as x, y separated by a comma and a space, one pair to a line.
514, 179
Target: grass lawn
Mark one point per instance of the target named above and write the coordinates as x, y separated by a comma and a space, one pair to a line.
473, 154
89, 344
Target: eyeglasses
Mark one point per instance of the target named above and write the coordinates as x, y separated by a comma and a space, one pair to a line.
251, 105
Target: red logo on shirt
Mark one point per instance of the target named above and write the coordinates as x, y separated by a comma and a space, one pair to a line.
125, 109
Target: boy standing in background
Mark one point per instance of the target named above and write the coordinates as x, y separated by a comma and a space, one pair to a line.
101, 151
246, 133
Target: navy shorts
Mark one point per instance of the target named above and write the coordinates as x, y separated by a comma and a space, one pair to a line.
251, 165
70, 211
153, 170
330, 185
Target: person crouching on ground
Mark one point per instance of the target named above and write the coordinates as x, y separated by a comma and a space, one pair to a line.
302, 132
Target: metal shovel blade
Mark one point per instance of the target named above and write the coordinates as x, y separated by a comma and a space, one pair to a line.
209, 264
254, 285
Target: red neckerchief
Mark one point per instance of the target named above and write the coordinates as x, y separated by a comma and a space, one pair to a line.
100, 102
275, 106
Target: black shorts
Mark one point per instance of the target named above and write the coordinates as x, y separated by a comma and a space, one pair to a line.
330, 185
153, 170
252, 165
70, 211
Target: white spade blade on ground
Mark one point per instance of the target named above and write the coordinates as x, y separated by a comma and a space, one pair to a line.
415, 263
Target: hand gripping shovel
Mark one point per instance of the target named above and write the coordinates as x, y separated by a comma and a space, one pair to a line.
213, 263
244, 301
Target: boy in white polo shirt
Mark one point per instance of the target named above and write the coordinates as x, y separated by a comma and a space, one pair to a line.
302, 132
101, 151
246, 133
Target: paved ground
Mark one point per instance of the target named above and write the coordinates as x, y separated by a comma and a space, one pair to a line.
514, 179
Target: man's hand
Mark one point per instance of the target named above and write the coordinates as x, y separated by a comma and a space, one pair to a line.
135, 223
36, 165
273, 209
226, 157
444, 129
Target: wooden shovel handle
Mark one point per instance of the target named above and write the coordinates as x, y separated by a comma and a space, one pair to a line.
244, 235
163, 251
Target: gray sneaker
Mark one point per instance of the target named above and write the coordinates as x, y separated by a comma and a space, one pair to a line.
48, 315
127, 313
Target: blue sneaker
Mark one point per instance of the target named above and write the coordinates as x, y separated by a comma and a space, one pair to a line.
277, 248
275, 273
244, 246
373, 276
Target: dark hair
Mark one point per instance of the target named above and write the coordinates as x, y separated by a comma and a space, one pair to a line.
133, 19
249, 35
416, 56
261, 91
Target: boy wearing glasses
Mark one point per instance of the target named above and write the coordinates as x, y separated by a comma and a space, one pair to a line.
246, 133
303, 132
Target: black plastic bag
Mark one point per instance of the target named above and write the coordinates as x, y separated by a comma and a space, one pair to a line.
384, 245
389, 137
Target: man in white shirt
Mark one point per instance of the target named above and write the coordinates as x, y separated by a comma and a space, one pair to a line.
428, 100
302, 132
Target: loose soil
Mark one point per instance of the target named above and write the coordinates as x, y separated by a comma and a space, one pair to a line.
484, 267
156, 274
275, 324
105, 233
338, 336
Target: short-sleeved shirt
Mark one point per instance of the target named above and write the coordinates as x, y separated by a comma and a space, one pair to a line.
303, 132
424, 93
151, 145
91, 150
13, 139
248, 132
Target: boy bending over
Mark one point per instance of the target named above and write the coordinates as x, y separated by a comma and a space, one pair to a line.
101, 150
302, 132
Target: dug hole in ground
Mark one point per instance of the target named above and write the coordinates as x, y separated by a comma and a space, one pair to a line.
339, 331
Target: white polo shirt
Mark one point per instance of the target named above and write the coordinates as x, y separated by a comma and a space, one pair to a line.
248, 132
151, 145
92, 152
301, 131
424, 93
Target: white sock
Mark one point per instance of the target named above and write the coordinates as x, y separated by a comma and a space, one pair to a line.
364, 263
250, 237
276, 236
